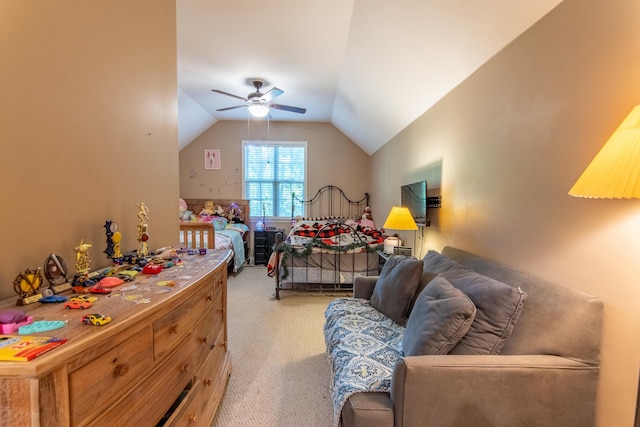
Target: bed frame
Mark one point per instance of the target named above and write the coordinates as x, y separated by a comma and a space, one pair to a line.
203, 233
328, 203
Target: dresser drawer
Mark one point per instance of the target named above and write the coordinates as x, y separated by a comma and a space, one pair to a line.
96, 384
200, 405
206, 332
174, 326
147, 403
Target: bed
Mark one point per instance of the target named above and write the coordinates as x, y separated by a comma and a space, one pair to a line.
326, 250
223, 222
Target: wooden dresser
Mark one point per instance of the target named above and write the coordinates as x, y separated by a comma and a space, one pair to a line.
162, 359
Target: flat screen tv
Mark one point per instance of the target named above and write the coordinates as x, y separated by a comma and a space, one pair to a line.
414, 197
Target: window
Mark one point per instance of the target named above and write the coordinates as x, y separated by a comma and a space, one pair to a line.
272, 171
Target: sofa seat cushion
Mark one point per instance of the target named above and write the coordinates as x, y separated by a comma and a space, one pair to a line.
363, 346
441, 316
498, 305
397, 286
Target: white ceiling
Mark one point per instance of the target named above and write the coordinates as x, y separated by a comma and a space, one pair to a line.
370, 67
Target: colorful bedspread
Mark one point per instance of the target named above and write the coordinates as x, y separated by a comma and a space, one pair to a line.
363, 346
232, 239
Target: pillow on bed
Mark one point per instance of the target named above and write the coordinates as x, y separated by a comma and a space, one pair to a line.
219, 222
441, 316
396, 286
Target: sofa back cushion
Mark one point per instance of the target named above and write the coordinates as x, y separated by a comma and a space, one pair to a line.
441, 316
396, 287
555, 320
498, 305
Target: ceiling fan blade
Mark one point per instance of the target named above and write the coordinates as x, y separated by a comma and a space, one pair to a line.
231, 108
288, 108
221, 92
271, 93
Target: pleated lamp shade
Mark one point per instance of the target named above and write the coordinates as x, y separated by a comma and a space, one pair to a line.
614, 173
400, 219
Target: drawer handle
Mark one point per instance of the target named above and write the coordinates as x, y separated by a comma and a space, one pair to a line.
121, 370
209, 297
208, 381
184, 367
204, 340
193, 418
173, 329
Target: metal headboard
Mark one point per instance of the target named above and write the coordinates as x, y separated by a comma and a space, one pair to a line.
330, 202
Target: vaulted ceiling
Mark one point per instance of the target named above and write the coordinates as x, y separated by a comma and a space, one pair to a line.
370, 67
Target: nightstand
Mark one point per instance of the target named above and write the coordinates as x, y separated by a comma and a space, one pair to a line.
263, 242
382, 258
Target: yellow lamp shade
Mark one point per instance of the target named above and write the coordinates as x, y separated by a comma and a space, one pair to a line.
400, 219
614, 173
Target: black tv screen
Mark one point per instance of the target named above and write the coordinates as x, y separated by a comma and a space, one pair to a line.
414, 197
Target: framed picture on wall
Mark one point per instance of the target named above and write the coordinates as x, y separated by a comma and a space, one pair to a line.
212, 159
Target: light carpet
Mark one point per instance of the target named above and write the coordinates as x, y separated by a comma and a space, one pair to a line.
280, 373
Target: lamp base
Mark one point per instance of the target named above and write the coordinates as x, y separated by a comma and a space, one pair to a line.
402, 250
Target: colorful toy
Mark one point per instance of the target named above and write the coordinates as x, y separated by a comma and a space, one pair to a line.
11, 320
96, 319
152, 269
75, 305
83, 298
52, 299
41, 326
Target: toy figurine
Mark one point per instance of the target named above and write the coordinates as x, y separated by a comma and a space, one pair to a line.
82, 257
143, 236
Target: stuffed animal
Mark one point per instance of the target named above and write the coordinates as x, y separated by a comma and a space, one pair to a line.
235, 213
217, 210
182, 206
367, 219
207, 209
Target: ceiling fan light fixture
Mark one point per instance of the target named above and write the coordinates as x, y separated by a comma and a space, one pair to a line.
258, 110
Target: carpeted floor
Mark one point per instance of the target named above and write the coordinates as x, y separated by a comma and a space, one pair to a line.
280, 371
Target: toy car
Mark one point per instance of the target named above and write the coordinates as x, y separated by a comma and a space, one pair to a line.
77, 305
81, 298
96, 319
81, 289
52, 299
99, 290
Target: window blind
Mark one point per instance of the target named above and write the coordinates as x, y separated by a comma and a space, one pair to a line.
272, 172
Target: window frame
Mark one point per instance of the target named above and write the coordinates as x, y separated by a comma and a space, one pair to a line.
273, 143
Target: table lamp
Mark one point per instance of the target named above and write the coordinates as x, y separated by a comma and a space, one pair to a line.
400, 219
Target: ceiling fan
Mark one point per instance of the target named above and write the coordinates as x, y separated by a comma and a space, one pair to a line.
259, 103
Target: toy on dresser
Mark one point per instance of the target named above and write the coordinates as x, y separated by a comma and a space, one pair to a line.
11, 320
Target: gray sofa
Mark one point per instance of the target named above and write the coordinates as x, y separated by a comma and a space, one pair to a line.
545, 374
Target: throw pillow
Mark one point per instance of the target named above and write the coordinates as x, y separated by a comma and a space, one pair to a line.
396, 287
498, 305
441, 316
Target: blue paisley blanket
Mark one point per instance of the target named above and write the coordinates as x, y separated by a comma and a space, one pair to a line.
363, 346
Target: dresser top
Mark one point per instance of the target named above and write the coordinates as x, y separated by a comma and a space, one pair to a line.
127, 305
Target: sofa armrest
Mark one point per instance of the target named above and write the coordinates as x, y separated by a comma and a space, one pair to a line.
363, 286
505, 390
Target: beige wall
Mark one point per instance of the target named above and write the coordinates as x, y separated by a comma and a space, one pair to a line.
506, 146
332, 158
88, 127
